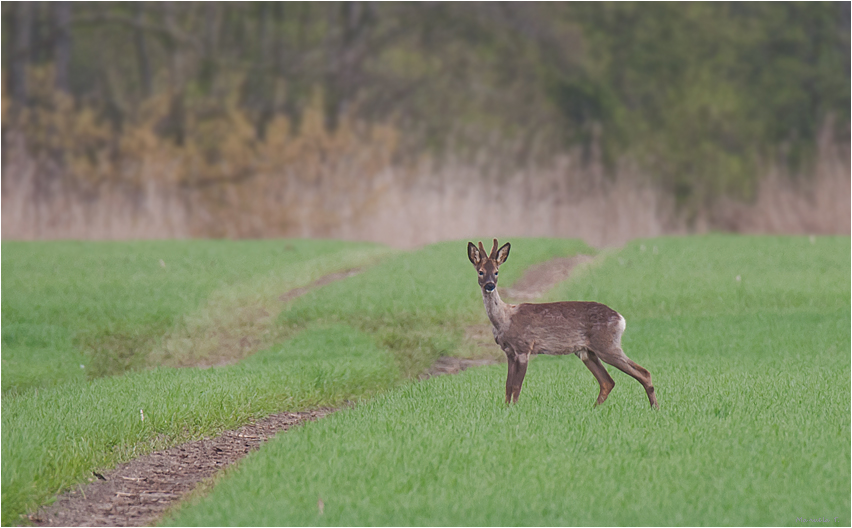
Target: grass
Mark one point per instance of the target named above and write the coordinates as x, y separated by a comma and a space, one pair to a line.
417, 304
78, 310
719, 274
54, 437
753, 378
344, 341
107, 307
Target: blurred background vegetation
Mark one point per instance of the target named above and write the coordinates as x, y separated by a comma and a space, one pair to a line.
154, 119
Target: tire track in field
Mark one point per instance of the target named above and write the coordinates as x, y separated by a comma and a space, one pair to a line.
233, 330
139, 492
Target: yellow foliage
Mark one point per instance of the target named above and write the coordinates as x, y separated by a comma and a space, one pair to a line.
237, 184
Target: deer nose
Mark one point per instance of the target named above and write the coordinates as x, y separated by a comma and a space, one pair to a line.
489, 287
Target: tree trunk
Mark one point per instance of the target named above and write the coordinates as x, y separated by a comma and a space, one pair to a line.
62, 44
209, 66
141, 46
347, 55
23, 41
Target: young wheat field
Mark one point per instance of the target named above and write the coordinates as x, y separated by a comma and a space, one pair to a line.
747, 339
133, 307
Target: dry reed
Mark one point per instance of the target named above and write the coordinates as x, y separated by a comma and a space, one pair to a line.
809, 204
66, 175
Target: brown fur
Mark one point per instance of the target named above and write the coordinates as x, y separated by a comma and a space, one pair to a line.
589, 329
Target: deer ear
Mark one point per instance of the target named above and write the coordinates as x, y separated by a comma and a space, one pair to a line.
473, 254
503, 253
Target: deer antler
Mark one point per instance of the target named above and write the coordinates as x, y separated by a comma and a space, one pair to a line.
493, 255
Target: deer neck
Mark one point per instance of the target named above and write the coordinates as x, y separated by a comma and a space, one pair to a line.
499, 313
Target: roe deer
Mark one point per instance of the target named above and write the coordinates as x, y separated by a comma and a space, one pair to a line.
588, 329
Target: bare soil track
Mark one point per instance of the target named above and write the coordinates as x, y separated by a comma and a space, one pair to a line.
538, 279
137, 493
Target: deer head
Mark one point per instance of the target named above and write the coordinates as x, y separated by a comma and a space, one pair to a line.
487, 266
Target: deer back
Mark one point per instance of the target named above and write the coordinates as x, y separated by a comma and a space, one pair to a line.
561, 328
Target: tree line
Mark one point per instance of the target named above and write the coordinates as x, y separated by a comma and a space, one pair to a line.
698, 94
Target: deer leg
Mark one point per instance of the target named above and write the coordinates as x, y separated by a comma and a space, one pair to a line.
520, 372
619, 360
510, 378
590, 359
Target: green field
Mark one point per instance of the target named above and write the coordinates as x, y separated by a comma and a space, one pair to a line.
336, 343
418, 304
753, 377
78, 310
108, 307
752, 374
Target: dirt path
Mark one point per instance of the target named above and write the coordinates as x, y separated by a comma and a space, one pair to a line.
322, 281
230, 333
540, 278
138, 492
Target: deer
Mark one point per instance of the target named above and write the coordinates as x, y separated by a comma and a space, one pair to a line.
590, 330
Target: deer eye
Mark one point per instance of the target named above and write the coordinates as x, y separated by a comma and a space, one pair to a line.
481, 273
495, 273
